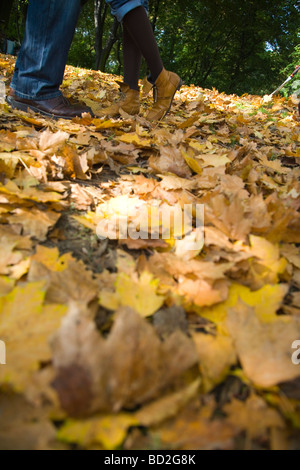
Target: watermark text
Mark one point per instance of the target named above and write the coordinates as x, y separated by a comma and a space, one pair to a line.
2, 353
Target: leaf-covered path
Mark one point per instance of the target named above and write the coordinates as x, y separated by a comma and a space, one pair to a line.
143, 343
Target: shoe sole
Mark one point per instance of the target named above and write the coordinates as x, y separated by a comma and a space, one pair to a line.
25, 107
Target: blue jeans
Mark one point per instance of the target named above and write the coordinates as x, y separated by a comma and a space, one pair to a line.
49, 31
120, 8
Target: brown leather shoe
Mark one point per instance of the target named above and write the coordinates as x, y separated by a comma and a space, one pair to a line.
55, 108
129, 102
166, 86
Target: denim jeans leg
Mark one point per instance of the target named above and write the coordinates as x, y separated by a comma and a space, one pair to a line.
49, 31
119, 8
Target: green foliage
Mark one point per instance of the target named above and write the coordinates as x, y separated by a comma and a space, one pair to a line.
82, 51
236, 46
14, 28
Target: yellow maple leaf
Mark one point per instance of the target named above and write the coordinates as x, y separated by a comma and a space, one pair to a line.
133, 138
50, 258
268, 254
214, 160
264, 349
108, 431
100, 124
25, 327
216, 356
137, 293
192, 162
265, 301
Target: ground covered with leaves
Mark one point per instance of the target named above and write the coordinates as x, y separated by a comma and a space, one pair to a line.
143, 343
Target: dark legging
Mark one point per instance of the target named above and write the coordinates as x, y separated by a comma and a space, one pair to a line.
139, 41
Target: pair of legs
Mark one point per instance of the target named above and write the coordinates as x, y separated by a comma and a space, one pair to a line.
49, 32
48, 36
138, 42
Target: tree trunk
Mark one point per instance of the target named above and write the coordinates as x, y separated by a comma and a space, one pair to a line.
102, 53
109, 45
100, 12
155, 8
5, 10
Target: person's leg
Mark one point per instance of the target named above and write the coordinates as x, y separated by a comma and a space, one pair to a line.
137, 24
50, 27
39, 69
166, 83
133, 14
132, 58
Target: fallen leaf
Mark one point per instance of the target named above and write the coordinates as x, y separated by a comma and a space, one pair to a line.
26, 323
264, 349
133, 362
138, 293
253, 416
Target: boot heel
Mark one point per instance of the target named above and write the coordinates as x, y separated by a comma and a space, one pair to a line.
177, 89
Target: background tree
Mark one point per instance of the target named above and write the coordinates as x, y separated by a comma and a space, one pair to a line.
5, 10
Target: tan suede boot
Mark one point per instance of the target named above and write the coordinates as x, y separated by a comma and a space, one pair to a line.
129, 102
166, 86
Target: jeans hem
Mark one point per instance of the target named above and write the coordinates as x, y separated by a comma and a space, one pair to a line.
120, 12
36, 98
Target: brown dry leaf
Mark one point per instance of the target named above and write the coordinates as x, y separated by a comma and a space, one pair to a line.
202, 293
215, 237
50, 141
30, 193
9, 257
228, 216
170, 161
202, 269
25, 320
231, 185
140, 244
167, 406
34, 222
10, 161
60, 275
73, 165
216, 356
261, 218
133, 363
13, 249
170, 182
296, 278
253, 416
274, 165
292, 253
193, 429
213, 160
264, 349
24, 426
